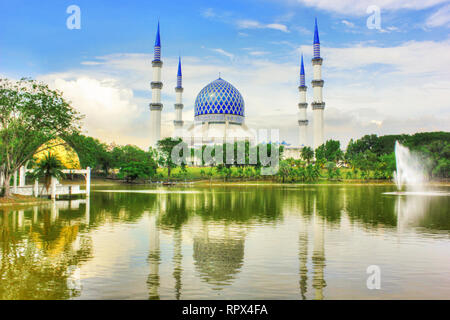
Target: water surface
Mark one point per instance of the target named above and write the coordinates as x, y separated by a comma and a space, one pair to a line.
228, 242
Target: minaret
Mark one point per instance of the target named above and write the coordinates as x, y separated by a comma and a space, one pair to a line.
317, 83
156, 105
302, 121
178, 122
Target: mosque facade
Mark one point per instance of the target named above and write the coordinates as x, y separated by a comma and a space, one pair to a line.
220, 108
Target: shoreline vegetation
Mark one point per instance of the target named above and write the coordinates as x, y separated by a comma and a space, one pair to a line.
368, 159
16, 200
98, 182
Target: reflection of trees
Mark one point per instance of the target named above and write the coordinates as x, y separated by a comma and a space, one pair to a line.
369, 205
237, 205
123, 207
37, 256
329, 202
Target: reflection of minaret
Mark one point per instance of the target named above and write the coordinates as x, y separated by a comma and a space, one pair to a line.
154, 259
156, 105
303, 256
177, 258
318, 257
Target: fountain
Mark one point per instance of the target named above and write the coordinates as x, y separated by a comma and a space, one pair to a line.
410, 174
410, 170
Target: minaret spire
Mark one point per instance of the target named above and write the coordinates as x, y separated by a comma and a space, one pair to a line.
316, 44
178, 122
302, 121
179, 74
302, 73
157, 56
156, 84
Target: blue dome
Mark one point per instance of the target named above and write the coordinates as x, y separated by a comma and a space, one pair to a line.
220, 98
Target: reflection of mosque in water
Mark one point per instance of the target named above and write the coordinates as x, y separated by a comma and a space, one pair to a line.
218, 228
48, 245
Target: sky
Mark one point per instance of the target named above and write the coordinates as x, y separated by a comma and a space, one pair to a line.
386, 75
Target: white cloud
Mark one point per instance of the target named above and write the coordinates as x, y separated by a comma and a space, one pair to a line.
253, 24
440, 18
348, 23
108, 107
258, 53
358, 7
223, 52
277, 26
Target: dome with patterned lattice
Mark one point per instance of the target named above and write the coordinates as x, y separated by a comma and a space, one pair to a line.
219, 101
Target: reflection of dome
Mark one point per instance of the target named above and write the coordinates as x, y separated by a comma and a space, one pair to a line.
219, 101
218, 260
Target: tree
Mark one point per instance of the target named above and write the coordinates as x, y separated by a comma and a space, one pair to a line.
91, 152
30, 115
47, 168
312, 173
133, 170
307, 154
210, 174
331, 170
165, 146
284, 170
133, 163
330, 151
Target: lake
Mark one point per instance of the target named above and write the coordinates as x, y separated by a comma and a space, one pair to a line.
229, 242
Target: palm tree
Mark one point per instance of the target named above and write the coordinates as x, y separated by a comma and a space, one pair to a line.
50, 166
284, 170
307, 154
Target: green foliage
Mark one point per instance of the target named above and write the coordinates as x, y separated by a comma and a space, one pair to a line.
330, 151
50, 166
30, 115
133, 163
91, 152
165, 147
377, 153
307, 154
284, 170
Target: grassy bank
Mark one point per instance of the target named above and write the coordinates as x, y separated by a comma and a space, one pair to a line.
19, 200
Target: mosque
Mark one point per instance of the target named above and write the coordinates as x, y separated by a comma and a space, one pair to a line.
220, 108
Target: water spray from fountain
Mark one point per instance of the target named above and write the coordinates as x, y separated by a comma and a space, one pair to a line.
411, 174
410, 169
